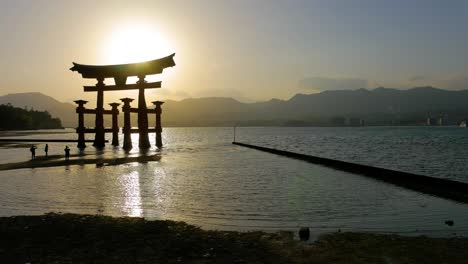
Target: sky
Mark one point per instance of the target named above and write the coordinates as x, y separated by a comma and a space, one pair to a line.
251, 50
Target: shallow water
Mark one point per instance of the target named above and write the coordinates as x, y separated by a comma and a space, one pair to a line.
204, 180
433, 151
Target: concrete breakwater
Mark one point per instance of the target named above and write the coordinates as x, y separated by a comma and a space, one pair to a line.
448, 189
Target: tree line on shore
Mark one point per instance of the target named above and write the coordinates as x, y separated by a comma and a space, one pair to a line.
15, 118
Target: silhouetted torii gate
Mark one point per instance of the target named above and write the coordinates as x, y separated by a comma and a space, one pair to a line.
120, 73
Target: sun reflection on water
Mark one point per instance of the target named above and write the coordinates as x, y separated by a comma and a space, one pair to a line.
130, 183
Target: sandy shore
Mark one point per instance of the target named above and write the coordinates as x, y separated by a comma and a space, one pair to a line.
58, 160
69, 238
17, 133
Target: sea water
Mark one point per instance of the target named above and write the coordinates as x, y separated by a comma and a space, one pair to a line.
205, 180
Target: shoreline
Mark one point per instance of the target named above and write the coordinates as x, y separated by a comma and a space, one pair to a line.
20, 133
76, 159
67, 238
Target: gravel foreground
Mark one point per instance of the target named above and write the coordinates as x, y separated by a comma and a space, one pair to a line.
72, 238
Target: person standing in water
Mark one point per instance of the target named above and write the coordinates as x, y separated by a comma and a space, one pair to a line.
33, 152
67, 153
46, 149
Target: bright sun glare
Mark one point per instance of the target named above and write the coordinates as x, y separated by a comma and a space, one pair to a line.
135, 43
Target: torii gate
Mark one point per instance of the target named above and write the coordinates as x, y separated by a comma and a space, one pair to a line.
120, 73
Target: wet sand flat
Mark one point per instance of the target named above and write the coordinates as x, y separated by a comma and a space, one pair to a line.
58, 160
18, 133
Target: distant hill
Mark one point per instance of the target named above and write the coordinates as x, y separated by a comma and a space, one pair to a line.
380, 106
41, 102
426, 100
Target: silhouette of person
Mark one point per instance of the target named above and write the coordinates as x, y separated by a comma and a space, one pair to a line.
33, 152
67, 153
46, 149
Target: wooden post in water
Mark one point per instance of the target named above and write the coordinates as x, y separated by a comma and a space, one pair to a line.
158, 123
99, 136
127, 145
234, 139
81, 128
115, 124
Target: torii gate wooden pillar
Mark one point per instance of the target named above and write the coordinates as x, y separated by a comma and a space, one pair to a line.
100, 133
158, 128
120, 74
81, 128
115, 124
143, 139
127, 145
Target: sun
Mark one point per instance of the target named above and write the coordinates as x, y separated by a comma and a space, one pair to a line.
135, 43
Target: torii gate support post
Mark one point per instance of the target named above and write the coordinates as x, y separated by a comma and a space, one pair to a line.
115, 124
99, 137
127, 144
158, 123
81, 128
143, 141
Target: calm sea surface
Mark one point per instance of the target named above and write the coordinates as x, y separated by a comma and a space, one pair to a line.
204, 180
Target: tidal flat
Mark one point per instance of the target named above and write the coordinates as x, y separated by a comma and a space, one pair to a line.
77, 159
73, 238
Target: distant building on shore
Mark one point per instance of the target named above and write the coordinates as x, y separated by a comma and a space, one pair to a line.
430, 121
440, 121
346, 121
353, 121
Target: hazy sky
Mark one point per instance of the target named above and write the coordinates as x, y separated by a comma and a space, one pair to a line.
249, 50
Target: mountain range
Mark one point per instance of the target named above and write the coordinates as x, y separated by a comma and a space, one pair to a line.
41, 102
380, 106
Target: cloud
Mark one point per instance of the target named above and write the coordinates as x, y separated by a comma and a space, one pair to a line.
455, 82
324, 83
232, 93
171, 94
417, 78
447, 82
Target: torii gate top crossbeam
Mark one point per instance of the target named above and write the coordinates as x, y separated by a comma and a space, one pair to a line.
122, 71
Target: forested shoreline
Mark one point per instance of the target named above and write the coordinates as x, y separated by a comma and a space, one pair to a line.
15, 118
